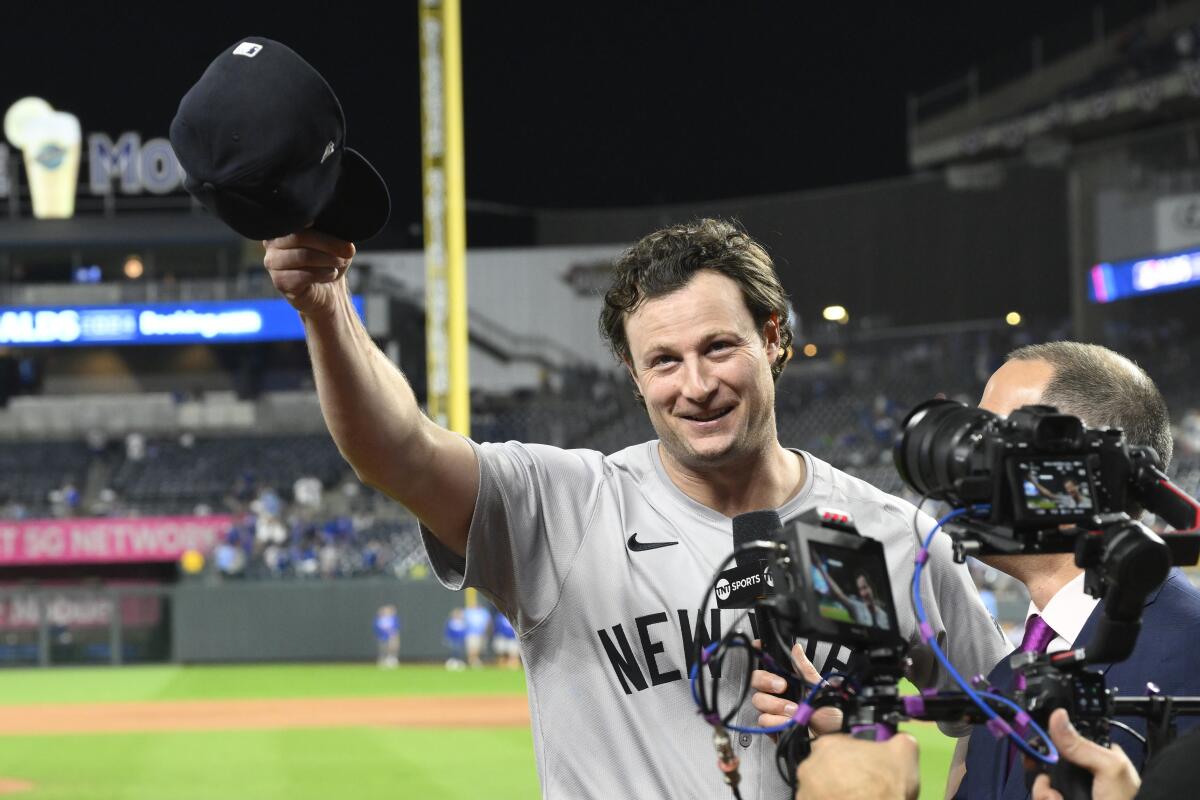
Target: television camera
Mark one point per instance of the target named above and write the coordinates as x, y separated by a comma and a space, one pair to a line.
1034, 482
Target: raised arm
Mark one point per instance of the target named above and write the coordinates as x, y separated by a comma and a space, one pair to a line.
834, 589
368, 405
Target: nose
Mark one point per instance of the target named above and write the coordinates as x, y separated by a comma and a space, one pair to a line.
698, 384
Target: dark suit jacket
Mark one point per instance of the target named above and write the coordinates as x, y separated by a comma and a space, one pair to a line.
1167, 652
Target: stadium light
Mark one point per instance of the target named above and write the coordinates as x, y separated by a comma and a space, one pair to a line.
810, 349
1012, 318
836, 314
134, 268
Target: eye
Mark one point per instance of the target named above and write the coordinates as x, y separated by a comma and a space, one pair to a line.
720, 345
662, 360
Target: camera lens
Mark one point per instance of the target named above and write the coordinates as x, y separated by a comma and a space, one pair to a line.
930, 454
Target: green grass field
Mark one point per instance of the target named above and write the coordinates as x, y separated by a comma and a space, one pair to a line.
363, 763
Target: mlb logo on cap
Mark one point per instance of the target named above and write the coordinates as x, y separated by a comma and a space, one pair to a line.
247, 49
262, 139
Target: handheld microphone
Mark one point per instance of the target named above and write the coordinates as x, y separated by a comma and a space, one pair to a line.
762, 526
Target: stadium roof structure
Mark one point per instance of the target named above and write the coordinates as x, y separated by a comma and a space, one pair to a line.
1104, 76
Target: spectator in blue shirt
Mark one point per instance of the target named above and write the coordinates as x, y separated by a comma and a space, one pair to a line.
456, 637
387, 636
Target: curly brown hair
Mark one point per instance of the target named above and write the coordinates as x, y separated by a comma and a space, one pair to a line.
666, 260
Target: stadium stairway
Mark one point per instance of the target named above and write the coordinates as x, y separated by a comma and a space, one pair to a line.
98, 473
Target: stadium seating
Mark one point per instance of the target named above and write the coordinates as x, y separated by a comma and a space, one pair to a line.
32, 470
846, 407
175, 476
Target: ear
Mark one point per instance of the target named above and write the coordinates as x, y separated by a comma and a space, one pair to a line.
771, 337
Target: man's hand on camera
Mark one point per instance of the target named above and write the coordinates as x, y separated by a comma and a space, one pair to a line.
855, 769
307, 268
775, 710
1113, 774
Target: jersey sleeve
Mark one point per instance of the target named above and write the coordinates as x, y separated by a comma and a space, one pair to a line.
966, 632
530, 518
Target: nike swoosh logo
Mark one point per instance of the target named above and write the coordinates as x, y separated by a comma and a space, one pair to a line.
637, 546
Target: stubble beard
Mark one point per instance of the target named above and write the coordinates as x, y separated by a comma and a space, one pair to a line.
741, 446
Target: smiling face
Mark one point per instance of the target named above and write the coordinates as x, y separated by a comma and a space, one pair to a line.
863, 587
704, 369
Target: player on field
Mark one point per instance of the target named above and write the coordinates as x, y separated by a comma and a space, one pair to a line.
504, 642
599, 560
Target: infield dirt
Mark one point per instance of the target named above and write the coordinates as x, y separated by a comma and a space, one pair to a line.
206, 715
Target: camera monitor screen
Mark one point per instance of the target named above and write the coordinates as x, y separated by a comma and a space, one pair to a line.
1053, 488
848, 587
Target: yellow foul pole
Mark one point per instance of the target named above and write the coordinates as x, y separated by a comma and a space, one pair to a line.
442, 167
445, 215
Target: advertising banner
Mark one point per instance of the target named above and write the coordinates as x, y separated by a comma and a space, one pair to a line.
71, 609
201, 322
1167, 273
105, 540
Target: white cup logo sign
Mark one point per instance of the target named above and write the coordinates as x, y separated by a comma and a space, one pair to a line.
50, 142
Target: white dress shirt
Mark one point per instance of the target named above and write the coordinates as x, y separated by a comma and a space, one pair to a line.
1066, 614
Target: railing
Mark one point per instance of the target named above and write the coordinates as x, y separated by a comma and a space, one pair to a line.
1099, 31
246, 285
37, 417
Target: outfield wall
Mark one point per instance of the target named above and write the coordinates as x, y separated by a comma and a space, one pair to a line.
305, 620
140, 622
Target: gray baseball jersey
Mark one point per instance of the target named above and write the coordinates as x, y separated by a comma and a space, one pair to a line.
607, 631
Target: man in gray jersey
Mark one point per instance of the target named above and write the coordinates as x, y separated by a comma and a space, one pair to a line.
600, 561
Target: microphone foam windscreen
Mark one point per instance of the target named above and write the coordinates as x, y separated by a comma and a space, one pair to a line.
756, 525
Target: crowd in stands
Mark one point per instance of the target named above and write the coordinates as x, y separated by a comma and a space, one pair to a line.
299, 511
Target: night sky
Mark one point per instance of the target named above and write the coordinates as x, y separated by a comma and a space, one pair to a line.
568, 104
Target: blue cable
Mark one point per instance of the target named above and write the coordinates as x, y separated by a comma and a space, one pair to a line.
922, 620
695, 673
976, 698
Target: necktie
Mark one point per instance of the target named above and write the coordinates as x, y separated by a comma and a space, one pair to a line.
1038, 636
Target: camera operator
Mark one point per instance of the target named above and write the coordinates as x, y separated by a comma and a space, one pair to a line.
843, 768
1113, 775
1174, 773
1104, 389
853, 769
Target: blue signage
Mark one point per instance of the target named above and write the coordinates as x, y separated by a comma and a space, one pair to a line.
1168, 273
216, 322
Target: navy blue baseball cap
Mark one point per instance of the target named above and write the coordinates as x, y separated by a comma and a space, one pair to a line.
262, 139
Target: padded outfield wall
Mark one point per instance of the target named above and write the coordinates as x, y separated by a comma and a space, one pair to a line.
81, 623
305, 620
